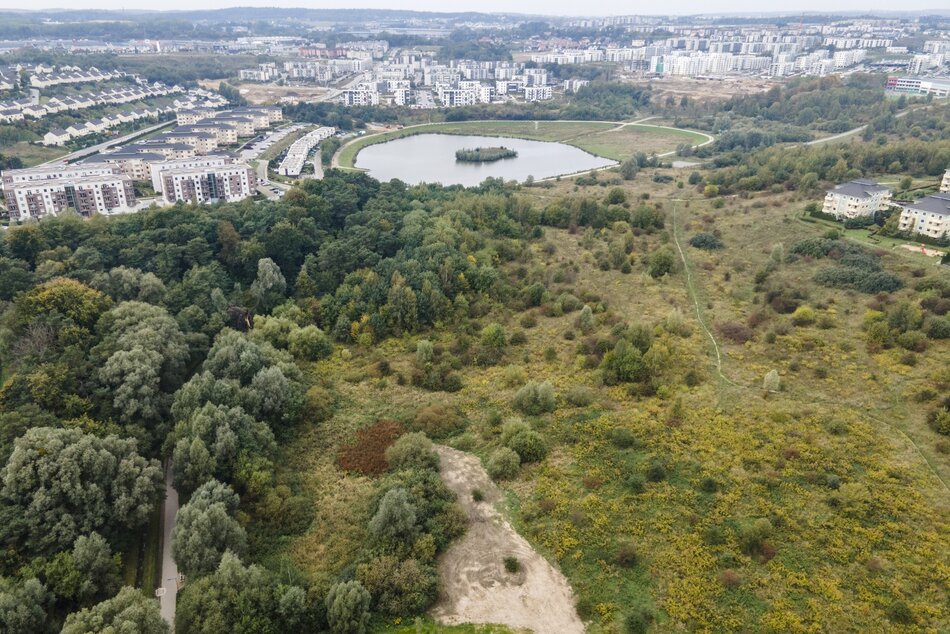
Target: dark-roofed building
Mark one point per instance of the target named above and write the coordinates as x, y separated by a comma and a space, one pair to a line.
929, 216
855, 199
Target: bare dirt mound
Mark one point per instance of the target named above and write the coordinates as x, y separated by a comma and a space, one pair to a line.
476, 588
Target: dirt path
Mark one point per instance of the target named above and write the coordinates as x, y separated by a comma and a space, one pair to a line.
475, 586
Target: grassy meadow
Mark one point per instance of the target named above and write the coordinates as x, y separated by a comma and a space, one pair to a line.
710, 504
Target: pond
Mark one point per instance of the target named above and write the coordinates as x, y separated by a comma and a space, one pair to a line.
430, 158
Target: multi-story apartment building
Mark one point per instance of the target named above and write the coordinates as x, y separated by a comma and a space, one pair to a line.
856, 198
195, 162
49, 191
360, 97
203, 142
208, 184
929, 216
945, 183
537, 93
133, 164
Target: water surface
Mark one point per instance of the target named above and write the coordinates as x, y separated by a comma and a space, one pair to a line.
430, 158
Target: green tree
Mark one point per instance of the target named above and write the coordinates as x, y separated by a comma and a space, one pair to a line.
629, 169
348, 608
623, 364
270, 285
662, 262
64, 483
395, 518
23, 605
205, 530
128, 611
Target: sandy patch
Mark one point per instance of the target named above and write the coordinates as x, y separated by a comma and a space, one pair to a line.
934, 253
476, 588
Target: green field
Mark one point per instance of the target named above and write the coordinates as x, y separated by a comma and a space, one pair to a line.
32, 154
602, 138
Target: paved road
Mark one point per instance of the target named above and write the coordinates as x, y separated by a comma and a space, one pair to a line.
83, 153
858, 129
169, 568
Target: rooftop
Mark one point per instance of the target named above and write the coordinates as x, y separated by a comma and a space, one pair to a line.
935, 203
859, 188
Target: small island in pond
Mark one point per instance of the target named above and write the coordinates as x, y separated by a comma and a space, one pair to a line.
484, 154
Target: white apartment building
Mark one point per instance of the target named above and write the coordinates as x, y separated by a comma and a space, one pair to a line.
856, 198
49, 191
198, 185
945, 183
929, 216
196, 162
360, 97
297, 154
537, 93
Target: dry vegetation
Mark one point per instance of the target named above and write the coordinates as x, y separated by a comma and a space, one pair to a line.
705, 502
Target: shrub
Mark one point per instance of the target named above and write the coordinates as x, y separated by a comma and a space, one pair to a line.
367, 454
705, 241
310, 344
656, 471
912, 340
804, 316
585, 321
477, 495
398, 587
899, 612
579, 396
511, 427
528, 445
937, 328
752, 535
503, 464
412, 451
730, 579
535, 398
772, 382
635, 483
437, 421
627, 556
622, 438
318, 404
708, 485
639, 621
735, 332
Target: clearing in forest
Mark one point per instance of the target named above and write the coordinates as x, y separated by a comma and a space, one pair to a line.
476, 587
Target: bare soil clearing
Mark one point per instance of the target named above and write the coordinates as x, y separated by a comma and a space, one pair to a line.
476, 588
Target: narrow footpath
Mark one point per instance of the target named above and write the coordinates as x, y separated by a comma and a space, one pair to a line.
168, 591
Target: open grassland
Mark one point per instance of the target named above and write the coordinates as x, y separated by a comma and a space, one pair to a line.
711, 504
32, 154
610, 140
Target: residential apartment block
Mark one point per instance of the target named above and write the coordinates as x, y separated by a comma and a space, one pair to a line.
929, 216
945, 183
198, 185
48, 191
855, 199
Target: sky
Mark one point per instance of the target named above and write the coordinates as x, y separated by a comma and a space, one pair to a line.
543, 7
